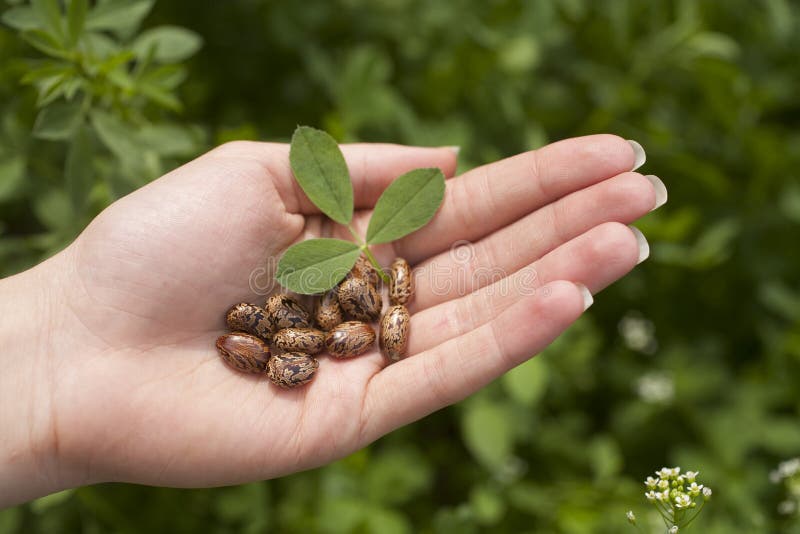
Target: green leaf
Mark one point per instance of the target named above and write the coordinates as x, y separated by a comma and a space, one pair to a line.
76, 19
527, 382
21, 18
78, 174
46, 43
171, 44
120, 16
488, 431
118, 137
406, 205
321, 171
316, 265
49, 14
58, 121
12, 177
170, 139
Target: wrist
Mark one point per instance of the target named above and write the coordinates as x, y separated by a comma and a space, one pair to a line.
29, 456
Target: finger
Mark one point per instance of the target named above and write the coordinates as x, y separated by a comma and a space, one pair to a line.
430, 380
490, 197
372, 167
596, 259
623, 198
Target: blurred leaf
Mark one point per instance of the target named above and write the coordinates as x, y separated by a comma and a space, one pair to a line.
319, 167
78, 175
54, 209
120, 16
21, 18
49, 14
58, 121
397, 476
169, 139
383, 521
115, 135
76, 19
487, 505
170, 44
316, 265
407, 205
46, 43
527, 382
10, 520
44, 504
488, 432
12, 177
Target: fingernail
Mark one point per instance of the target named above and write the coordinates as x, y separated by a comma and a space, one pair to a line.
455, 149
587, 296
638, 153
660, 188
644, 248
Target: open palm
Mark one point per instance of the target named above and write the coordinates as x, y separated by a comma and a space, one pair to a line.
140, 394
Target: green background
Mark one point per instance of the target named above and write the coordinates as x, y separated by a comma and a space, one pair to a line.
692, 360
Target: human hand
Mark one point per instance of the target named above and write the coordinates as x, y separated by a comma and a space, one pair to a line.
129, 386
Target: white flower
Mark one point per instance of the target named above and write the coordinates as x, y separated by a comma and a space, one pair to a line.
651, 482
663, 484
631, 517
651, 496
691, 475
706, 492
682, 501
665, 472
694, 490
676, 471
673, 529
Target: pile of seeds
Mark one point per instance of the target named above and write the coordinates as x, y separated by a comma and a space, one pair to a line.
340, 324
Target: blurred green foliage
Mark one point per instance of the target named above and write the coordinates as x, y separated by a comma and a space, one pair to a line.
693, 360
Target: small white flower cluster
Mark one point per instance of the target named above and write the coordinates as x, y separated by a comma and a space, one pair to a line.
676, 496
788, 474
674, 489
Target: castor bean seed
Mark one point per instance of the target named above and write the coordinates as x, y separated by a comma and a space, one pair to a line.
349, 339
363, 268
308, 340
244, 352
292, 369
393, 339
328, 312
401, 284
285, 312
244, 317
359, 299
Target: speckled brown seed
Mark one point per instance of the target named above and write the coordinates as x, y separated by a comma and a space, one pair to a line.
350, 339
359, 299
393, 338
285, 312
327, 311
363, 268
308, 340
244, 352
292, 369
401, 284
249, 318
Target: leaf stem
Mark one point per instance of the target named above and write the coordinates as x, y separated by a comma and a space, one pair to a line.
358, 239
375, 264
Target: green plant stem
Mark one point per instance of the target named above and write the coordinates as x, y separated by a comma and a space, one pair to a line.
357, 237
375, 263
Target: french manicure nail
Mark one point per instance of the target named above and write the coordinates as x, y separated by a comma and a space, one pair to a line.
660, 188
587, 296
638, 153
644, 248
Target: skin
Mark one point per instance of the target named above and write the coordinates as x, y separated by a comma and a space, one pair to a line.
108, 370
